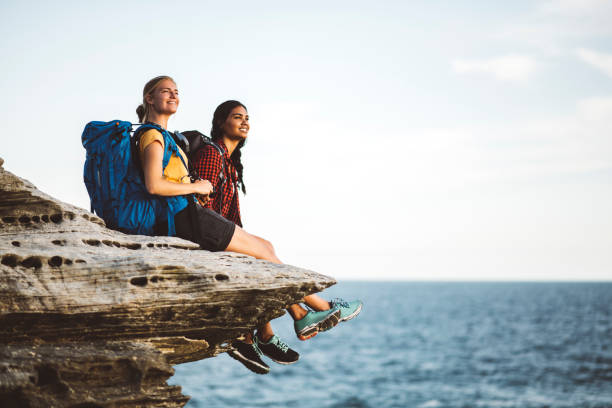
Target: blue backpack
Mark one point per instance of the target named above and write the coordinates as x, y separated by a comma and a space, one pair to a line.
115, 181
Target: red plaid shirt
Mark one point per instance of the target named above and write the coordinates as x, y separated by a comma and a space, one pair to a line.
209, 163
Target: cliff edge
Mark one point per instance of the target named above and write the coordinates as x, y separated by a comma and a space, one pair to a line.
91, 317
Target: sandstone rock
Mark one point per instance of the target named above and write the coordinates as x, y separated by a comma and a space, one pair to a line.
79, 302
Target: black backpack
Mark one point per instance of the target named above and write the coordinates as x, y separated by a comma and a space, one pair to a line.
191, 141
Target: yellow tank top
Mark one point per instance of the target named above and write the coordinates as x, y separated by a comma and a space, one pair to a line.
175, 171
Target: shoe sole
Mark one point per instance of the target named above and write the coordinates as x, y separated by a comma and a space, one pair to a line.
281, 362
251, 365
330, 321
352, 315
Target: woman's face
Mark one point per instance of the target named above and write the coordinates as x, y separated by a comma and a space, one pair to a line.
164, 98
236, 126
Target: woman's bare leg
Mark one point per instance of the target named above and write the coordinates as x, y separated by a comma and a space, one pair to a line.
249, 244
316, 302
265, 332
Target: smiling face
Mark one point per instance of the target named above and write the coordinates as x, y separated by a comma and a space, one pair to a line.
236, 126
164, 98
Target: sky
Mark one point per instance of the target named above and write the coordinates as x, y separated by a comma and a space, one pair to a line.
395, 140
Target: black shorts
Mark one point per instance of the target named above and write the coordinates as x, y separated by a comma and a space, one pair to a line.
209, 229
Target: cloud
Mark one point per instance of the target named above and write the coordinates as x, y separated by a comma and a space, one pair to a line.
555, 27
577, 143
505, 68
599, 60
574, 7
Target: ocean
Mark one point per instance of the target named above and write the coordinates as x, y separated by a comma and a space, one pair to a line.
426, 345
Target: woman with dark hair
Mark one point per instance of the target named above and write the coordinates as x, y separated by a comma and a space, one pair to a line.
209, 229
230, 127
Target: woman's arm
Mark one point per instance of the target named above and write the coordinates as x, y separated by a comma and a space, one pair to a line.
157, 184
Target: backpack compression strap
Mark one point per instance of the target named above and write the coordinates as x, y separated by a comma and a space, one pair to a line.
170, 147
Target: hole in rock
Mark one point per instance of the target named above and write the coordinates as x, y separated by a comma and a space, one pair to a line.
36, 218
79, 261
179, 247
125, 368
46, 376
139, 281
154, 279
115, 243
212, 312
45, 218
10, 260
59, 242
56, 261
68, 261
132, 246
167, 315
70, 216
16, 243
85, 216
24, 219
92, 242
56, 218
221, 277
86, 405
150, 245
107, 242
8, 220
191, 278
32, 262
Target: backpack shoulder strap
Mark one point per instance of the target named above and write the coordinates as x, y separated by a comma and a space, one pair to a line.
170, 146
197, 141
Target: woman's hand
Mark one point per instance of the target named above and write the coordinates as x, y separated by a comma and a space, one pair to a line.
202, 187
157, 184
202, 200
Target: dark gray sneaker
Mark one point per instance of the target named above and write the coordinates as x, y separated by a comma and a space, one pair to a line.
250, 356
277, 350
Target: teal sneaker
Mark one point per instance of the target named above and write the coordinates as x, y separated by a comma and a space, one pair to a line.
348, 310
315, 322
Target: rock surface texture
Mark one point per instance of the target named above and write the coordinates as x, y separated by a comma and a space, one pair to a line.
91, 317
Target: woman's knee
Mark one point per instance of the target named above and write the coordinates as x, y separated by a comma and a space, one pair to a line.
269, 245
267, 248
250, 244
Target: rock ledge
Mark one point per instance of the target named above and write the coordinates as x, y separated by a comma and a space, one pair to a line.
91, 317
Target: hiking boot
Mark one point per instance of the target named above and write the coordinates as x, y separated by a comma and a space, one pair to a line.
315, 322
348, 309
250, 356
277, 350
